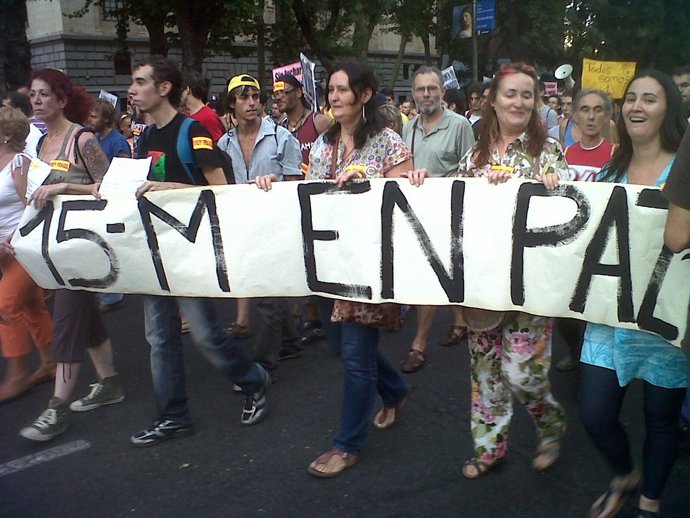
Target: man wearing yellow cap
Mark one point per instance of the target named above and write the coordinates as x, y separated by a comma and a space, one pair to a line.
255, 145
304, 124
258, 146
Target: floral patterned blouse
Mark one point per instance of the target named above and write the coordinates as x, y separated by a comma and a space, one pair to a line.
380, 153
518, 162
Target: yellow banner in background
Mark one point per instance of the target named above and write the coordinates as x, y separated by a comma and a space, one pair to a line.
609, 76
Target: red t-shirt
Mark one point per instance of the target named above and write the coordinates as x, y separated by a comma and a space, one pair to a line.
209, 120
584, 164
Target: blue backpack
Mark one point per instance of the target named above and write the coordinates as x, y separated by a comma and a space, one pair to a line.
186, 154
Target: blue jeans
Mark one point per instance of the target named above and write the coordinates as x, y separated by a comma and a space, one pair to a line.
367, 372
277, 327
164, 335
110, 298
601, 398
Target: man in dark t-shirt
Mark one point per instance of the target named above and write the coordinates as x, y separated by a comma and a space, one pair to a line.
156, 89
161, 145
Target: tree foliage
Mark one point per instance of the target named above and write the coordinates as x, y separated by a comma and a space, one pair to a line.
552, 32
546, 32
203, 28
15, 54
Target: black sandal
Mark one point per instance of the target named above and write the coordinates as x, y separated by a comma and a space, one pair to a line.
619, 496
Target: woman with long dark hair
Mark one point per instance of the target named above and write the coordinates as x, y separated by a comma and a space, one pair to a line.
650, 127
512, 354
78, 165
357, 146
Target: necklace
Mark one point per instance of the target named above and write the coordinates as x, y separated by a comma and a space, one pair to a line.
294, 127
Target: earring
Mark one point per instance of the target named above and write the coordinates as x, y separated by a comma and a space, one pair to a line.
364, 115
7, 139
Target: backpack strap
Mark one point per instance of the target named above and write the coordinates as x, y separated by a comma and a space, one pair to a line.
184, 150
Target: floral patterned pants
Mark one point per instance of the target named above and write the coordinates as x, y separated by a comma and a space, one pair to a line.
514, 358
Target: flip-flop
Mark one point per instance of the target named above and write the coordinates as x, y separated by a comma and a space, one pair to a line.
336, 459
481, 467
386, 417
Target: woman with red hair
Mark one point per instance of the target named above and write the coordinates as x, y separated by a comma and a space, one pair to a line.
78, 165
512, 354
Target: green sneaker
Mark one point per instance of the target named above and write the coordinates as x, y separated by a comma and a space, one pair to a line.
108, 391
51, 423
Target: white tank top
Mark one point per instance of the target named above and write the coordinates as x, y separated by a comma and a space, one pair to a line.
11, 205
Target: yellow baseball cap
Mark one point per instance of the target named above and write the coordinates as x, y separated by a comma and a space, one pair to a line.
243, 80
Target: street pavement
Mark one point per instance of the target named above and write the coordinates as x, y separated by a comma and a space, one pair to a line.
227, 470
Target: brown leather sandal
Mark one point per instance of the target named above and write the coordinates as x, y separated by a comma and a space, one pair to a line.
415, 360
455, 335
332, 463
239, 331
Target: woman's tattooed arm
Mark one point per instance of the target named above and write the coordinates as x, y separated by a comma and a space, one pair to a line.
94, 158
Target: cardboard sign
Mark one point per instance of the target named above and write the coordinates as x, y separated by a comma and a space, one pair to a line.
294, 69
609, 76
592, 251
550, 88
309, 82
450, 80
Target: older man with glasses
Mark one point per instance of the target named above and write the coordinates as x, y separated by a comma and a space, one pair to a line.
438, 139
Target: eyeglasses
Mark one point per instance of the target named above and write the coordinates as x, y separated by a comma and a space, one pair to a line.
282, 93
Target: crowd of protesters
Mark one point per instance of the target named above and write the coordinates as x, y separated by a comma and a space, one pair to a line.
502, 130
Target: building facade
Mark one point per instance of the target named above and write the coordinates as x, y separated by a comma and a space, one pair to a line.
84, 48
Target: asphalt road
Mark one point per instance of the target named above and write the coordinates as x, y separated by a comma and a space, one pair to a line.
227, 470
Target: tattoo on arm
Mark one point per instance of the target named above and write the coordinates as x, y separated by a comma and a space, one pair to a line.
94, 158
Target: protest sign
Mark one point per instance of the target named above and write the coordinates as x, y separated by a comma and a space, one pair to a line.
550, 88
294, 69
450, 80
609, 76
309, 82
107, 96
592, 251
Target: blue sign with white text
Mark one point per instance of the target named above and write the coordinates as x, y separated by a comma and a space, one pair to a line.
486, 16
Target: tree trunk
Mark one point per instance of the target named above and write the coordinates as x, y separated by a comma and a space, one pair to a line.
158, 43
404, 38
194, 24
261, 43
361, 37
305, 24
427, 49
15, 54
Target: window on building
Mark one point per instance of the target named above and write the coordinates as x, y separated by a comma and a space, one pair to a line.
108, 8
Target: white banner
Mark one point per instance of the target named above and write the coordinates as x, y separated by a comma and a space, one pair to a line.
592, 251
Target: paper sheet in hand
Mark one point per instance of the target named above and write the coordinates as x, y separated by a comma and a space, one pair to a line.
125, 175
38, 172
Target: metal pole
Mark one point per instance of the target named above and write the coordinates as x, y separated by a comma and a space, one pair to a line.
475, 59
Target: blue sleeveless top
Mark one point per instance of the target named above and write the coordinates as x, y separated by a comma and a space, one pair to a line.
636, 354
